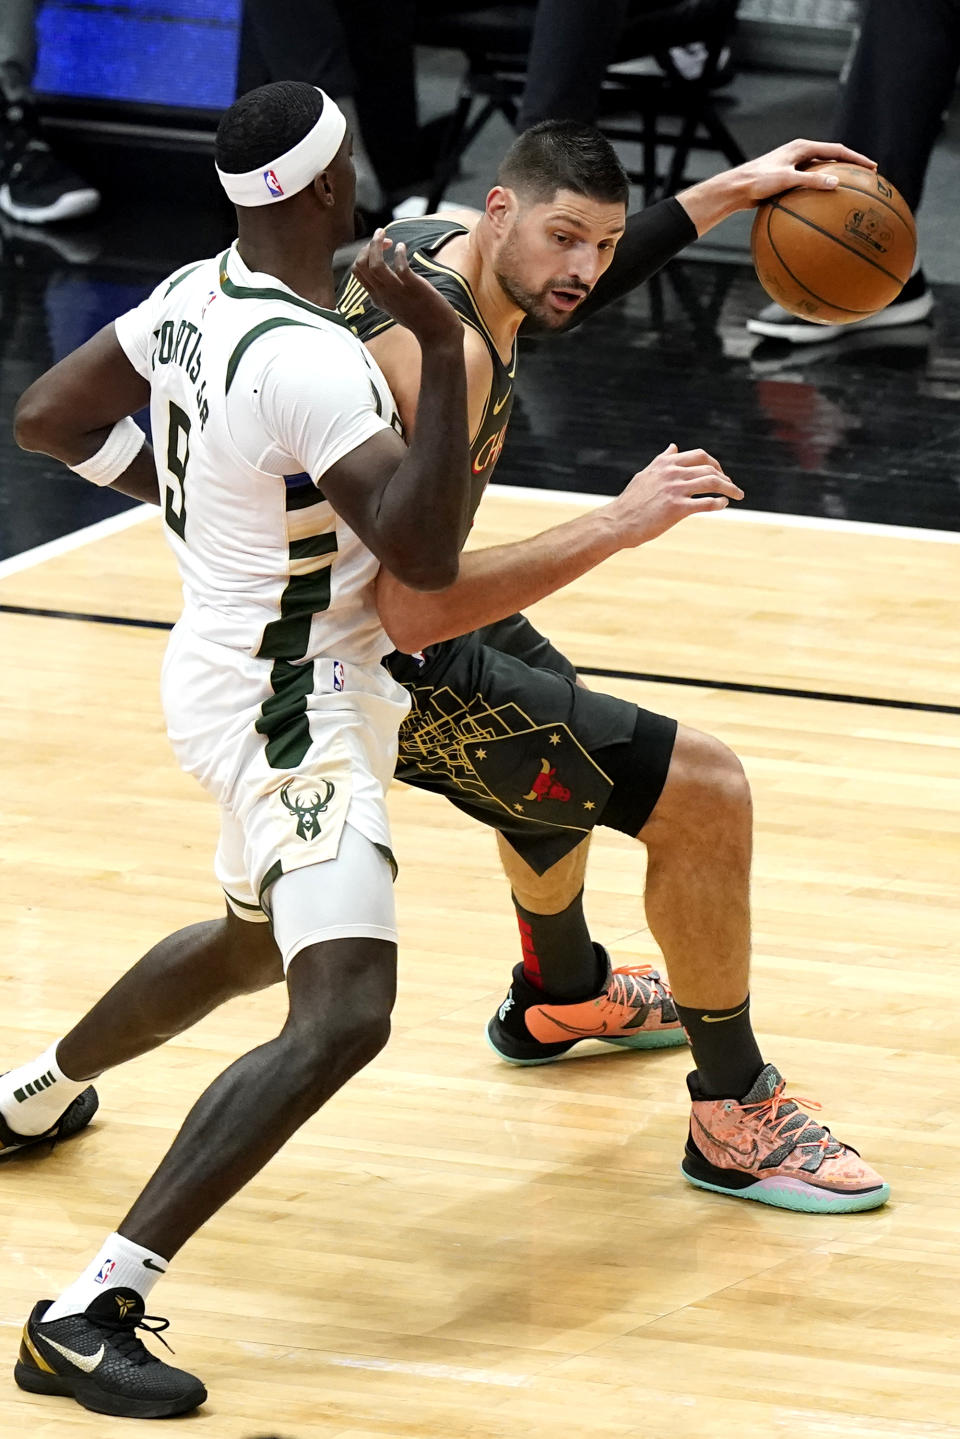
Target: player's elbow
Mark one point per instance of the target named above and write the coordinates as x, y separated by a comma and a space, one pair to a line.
433, 571
407, 632
33, 418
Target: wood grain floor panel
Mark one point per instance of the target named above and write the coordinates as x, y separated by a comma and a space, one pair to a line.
454, 1248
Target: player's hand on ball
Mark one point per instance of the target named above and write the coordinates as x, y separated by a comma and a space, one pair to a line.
674, 485
411, 300
785, 168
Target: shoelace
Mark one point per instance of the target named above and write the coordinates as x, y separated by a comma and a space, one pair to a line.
619, 988
127, 1342
780, 1110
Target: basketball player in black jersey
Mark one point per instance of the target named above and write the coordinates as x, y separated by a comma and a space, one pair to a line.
499, 723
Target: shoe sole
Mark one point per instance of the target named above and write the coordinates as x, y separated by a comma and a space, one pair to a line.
68, 207
97, 1401
75, 1117
911, 312
649, 1039
785, 1193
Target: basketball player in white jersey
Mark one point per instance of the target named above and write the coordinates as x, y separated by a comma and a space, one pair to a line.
284, 484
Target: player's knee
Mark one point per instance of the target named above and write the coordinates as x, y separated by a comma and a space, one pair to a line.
724, 779
362, 1024
341, 999
706, 788
351, 1040
549, 891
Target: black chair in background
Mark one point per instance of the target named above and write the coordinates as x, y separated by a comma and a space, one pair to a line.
632, 107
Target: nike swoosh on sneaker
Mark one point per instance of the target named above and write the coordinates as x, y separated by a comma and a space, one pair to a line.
594, 1031
87, 1362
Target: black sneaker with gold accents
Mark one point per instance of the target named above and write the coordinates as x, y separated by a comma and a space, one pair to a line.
98, 1358
75, 1117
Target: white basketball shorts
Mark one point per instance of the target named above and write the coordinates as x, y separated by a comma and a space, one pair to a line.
290, 752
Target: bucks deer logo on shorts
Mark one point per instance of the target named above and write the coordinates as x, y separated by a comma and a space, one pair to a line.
308, 808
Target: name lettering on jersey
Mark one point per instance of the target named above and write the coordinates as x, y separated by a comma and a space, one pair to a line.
179, 344
489, 452
353, 301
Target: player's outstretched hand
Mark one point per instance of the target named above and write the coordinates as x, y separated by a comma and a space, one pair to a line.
411, 300
746, 186
674, 485
785, 168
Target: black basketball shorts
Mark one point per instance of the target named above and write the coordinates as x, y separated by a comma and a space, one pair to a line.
499, 726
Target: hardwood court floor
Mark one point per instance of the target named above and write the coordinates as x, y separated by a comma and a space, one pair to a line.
457, 1249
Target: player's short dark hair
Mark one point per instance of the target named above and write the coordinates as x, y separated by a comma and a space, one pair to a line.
564, 155
265, 123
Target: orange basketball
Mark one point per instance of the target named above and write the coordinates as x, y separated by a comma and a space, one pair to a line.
835, 256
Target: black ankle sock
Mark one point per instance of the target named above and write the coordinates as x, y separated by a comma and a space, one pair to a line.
724, 1049
559, 956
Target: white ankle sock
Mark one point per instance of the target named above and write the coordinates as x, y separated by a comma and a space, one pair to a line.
34, 1096
121, 1264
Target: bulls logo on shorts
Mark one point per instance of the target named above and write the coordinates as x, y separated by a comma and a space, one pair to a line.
543, 775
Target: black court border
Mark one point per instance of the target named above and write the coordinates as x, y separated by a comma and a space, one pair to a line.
692, 682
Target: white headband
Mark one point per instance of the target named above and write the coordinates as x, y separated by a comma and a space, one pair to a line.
293, 171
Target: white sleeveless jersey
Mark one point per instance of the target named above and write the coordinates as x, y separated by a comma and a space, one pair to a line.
255, 393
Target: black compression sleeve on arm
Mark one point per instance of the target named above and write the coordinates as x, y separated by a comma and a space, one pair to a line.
651, 238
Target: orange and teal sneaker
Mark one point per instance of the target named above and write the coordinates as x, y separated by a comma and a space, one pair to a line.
634, 1009
765, 1147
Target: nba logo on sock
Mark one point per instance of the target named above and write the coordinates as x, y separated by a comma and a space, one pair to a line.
272, 183
106, 1269
338, 675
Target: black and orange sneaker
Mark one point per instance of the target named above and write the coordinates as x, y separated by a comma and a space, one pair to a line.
634, 1009
75, 1117
98, 1359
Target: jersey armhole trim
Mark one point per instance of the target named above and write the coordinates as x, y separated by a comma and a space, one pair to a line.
464, 284
243, 345
185, 274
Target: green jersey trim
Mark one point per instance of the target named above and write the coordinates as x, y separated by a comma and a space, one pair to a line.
180, 278
234, 291
283, 719
288, 637
271, 877
242, 904
243, 345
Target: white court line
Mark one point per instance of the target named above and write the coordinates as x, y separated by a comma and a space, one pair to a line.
423, 1370
77, 539
748, 517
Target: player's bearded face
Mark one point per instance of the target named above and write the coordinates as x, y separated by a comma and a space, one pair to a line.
553, 256
536, 296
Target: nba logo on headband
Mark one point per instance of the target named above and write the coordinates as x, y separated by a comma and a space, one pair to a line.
301, 164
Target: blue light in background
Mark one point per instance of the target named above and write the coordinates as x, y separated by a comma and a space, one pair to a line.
159, 52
